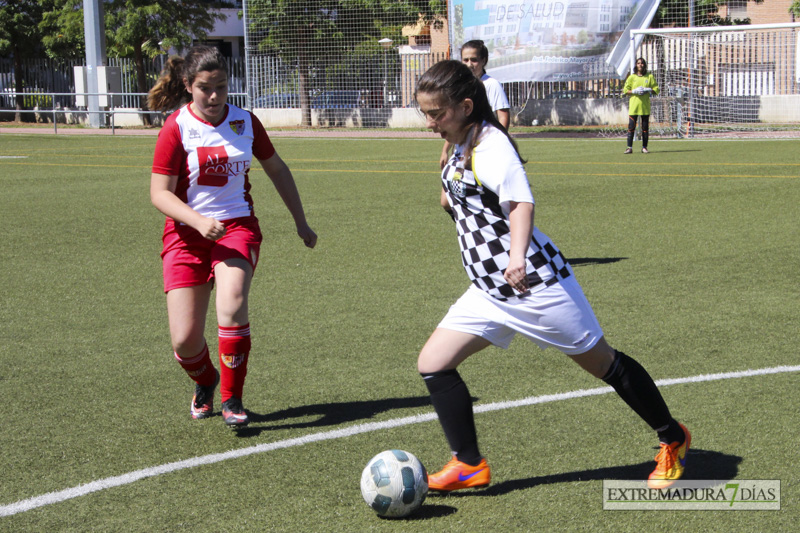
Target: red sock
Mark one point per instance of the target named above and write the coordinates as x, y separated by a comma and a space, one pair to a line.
234, 349
199, 367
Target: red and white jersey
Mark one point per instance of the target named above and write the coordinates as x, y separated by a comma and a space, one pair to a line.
212, 161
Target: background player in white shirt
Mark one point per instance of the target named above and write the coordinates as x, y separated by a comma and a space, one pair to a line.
475, 55
200, 181
521, 283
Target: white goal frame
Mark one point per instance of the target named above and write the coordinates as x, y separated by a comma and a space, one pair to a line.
747, 80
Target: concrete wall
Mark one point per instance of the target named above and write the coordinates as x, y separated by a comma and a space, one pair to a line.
572, 112
547, 112
780, 109
343, 118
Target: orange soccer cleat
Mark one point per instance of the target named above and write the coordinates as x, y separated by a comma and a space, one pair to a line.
670, 460
457, 475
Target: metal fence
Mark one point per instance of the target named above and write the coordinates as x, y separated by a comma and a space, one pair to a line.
50, 107
51, 83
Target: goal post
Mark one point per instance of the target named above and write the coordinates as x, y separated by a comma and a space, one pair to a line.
723, 81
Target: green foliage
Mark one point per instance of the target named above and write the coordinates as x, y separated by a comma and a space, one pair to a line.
19, 27
62, 29
156, 26
688, 256
292, 27
676, 13
132, 26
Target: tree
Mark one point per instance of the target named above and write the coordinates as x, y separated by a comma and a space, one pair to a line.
676, 12
306, 33
134, 28
62, 30
19, 36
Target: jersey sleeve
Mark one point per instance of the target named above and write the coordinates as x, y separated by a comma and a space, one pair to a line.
496, 165
262, 145
169, 156
495, 94
654, 85
628, 85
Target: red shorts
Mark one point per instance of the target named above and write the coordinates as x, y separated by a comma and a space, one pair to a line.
189, 258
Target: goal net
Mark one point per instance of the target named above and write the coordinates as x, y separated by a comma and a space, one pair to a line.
726, 81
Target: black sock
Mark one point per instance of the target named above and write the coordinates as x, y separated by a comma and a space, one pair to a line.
672, 433
635, 386
453, 405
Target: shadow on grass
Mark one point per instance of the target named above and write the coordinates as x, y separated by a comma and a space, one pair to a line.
426, 512
584, 261
700, 464
328, 414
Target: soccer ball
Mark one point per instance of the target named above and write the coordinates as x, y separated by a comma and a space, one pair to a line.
394, 483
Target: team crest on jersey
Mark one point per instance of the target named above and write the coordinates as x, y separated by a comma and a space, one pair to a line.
237, 126
456, 186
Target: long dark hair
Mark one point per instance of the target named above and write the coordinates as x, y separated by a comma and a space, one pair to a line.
644, 67
452, 82
169, 92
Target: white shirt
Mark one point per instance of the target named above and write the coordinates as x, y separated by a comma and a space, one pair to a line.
495, 93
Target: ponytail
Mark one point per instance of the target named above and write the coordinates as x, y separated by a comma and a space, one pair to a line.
169, 92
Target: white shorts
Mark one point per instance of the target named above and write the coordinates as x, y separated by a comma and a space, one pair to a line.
559, 316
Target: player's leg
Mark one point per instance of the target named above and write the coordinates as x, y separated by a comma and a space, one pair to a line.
631, 131
437, 363
635, 386
233, 278
645, 132
186, 309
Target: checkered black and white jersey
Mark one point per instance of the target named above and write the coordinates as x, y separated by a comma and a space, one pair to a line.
479, 196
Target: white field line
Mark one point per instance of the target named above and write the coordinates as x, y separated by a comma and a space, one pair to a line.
126, 479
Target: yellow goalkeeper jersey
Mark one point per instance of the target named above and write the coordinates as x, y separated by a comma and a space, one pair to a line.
640, 103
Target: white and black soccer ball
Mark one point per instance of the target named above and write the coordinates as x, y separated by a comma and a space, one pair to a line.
394, 483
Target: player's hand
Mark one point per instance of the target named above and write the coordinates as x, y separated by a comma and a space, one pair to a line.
516, 276
308, 235
443, 160
211, 229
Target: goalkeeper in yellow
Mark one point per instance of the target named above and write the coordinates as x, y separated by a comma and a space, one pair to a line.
639, 85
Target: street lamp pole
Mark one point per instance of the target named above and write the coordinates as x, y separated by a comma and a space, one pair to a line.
386, 43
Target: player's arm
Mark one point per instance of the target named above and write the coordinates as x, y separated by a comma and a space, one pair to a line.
282, 179
626, 89
504, 117
446, 205
162, 195
445, 154
654, 85
520, 221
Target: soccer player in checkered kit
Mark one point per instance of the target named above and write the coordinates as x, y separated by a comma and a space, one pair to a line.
521, 283
200, 181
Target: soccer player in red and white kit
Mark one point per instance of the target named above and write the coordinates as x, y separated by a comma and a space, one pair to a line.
200, 181
521, 284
